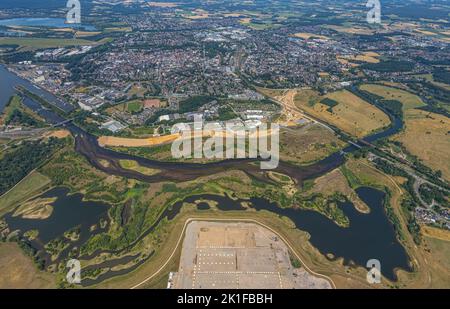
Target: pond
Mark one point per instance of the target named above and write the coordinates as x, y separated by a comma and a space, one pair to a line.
69, 212
369, 236
43, 22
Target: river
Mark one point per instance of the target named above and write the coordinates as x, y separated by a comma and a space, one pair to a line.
9, 81
369, 236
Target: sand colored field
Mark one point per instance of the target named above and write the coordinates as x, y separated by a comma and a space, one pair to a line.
118, 29
245, 20
369, 57
166, 139
352, 115
136, 142
307, 36
233, 15
436, 233
408, 99
427, 136
163, 4
351, 30
425, 32
18, 270
82, 34
58, 133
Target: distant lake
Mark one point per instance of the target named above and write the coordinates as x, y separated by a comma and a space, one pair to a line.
43, 22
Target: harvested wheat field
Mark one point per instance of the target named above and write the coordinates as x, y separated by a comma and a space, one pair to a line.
307, 36
427, 136
435, 233
351, 114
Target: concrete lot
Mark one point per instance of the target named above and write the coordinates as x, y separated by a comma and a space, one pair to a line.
237, 255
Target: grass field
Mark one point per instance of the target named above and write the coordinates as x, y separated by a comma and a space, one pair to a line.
409, 100
37, 43
29, 186
134, 106
352, 115
131, 107
134, 166
18, 270
427, 136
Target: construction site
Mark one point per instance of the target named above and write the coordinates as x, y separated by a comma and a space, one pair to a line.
239, 255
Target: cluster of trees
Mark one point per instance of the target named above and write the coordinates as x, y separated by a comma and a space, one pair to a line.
409, 206
431, 193
442, 75
330, 103
16, 164
194, 103
390, 66
18, 117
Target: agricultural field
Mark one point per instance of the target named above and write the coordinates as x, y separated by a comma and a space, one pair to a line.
307, 36
19, 271
352, 114
130, 107
369, 57
39, 43
408, 99
427, 136
433, 232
